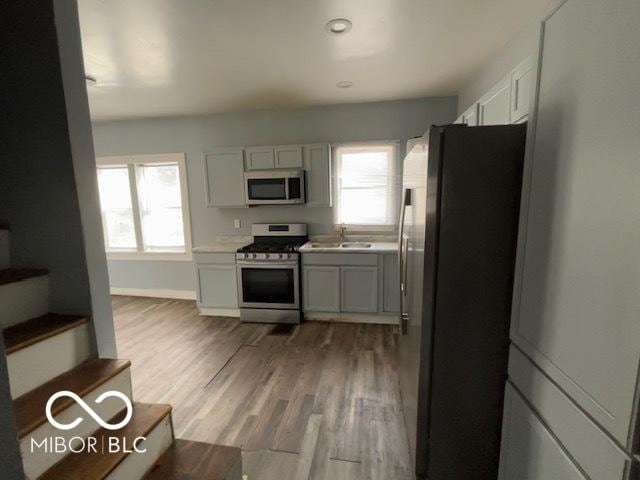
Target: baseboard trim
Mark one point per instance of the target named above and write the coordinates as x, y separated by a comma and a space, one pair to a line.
379, 318
155, 293
219, 312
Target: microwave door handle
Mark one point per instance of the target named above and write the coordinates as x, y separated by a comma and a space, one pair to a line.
286, 188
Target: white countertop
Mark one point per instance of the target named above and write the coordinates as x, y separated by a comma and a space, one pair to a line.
229, 244
376, 247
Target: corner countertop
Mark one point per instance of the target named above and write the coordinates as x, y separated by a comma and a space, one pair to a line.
379, 244
224, 244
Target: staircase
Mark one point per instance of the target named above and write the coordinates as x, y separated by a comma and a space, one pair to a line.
49, 353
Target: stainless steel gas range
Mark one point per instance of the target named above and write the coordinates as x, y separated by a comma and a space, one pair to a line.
269, 273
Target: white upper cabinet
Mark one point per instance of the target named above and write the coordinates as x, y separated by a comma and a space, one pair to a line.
224, 177
522, 81
288, 156
577, 296
470, 116
317, 165
495, 107
259, 158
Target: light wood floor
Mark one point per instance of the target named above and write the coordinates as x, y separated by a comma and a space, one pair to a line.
321, 403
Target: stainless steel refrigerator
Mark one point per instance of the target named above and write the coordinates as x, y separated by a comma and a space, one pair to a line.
458, 231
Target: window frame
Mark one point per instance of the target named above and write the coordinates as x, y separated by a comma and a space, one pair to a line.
131, 162
393, 195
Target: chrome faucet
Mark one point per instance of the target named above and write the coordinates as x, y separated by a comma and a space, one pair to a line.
342, 230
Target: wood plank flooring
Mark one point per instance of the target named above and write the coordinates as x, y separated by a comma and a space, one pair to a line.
320, 403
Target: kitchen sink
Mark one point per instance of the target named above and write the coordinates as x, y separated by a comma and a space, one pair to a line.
355, 245
324, 245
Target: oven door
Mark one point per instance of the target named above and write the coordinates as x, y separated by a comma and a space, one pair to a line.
269, 285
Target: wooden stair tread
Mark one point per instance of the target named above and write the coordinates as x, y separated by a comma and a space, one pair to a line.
98, 465
30, 407
11, 275
187, 460
22, 335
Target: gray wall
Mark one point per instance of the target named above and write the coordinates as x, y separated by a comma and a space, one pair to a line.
43, 104
398, 120
48, 186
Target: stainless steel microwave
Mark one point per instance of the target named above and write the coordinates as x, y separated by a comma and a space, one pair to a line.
274, 187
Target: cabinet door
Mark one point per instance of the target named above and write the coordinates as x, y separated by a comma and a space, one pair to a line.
321, 288
359, 289
217, 286
529, 451
288, 156
391, 283
259, 158
495, 107
522, 80
317, 165
576, 314
224, 178
470, 117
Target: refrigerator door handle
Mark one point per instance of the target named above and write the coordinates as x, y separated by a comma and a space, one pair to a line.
406, 200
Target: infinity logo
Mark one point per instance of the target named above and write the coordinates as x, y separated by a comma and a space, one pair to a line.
89, 410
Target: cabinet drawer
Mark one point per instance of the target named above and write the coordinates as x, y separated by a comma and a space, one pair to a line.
219, 258
340, 259
599, 457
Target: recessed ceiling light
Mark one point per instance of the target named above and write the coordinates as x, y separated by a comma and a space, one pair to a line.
91, 81
345, 84
338, 26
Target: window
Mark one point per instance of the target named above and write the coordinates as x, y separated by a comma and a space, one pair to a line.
144, 206
367, 186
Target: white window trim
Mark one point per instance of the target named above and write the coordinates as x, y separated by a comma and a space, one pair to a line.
151, 159
394, 193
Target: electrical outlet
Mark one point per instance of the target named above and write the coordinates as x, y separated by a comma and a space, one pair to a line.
236, 223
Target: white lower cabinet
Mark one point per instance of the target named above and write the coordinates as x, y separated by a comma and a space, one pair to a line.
529, 451
216, 281
359, 289
321, 286
351, 287
391, 281
217, 286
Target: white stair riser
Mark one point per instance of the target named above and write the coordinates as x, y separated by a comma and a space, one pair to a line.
22, 301
37, 462
37, 364
5, 261
136, 465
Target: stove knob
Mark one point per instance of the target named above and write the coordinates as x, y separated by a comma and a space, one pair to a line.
253, 255
246, 255
288, 255
266, 255
279, 255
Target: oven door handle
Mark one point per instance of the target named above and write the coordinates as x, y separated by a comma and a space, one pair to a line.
260, 263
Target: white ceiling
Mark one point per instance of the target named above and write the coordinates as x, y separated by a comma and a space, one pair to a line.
181, 57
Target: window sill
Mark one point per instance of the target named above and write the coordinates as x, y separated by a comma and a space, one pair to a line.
151, 256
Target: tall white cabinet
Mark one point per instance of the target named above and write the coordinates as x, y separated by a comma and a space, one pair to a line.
576, 311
